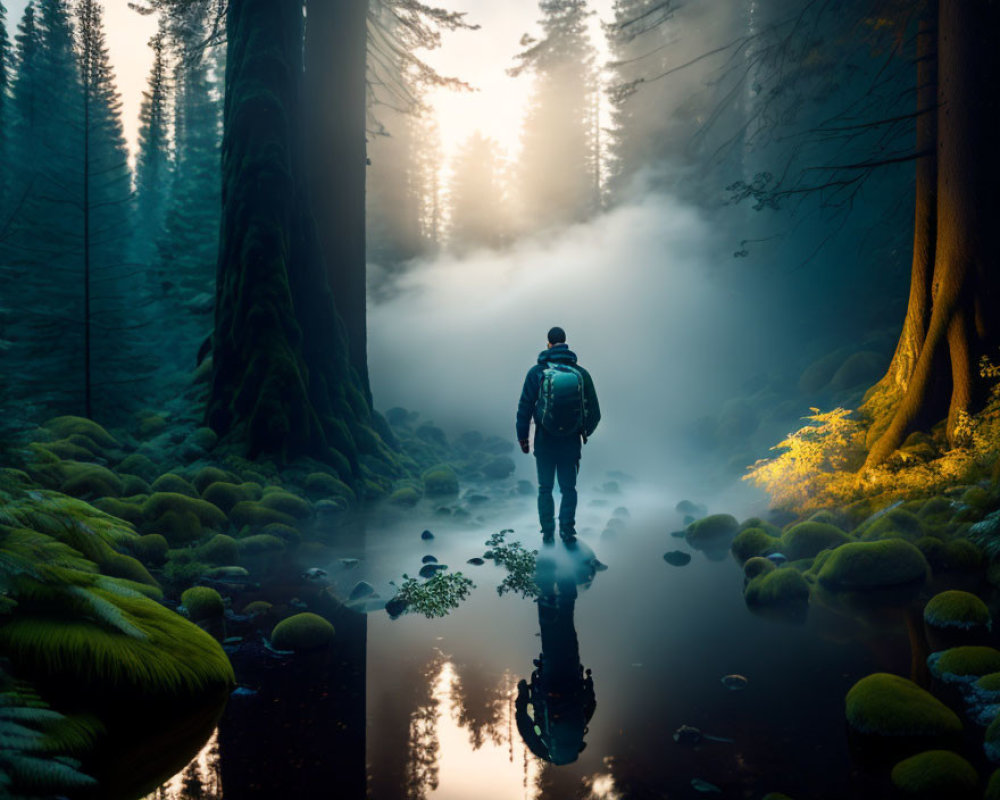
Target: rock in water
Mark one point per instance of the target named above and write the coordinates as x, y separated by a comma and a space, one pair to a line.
734, 682
677, 558
429, 570
475, 561
429, 560
687, 734
704, 786
678, 534
426, 535
314, 574
361, 589
395, 607
777, 558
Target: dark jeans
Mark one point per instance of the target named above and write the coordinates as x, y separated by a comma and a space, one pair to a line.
566, 468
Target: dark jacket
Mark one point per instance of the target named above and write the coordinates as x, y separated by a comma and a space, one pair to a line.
527, 407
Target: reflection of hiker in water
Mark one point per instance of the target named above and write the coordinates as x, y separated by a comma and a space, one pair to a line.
553, 711
559, 395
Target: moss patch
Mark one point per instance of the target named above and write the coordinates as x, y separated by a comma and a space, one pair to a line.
440, 480
779, 587
862, 565
807, 539
752, 542
955, 609
757, 566
64, 427
888, 705
89, 480
712, 531
286, 503
203, 602
964, 664
255, 515
937, 774
305, 631
180, 518
174, 483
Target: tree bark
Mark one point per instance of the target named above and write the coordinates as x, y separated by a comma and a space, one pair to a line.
964, 286
336, 62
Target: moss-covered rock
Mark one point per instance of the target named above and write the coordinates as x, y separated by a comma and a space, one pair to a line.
757, 566
140, 465
260, 543
130, 512
224, 495
64, 427
119, 565
151, 548
752, 542
174, 483
151, 425
964, 664
712, 531
180, 518
956, 609
257, 608
89, 480
896, 524
206, 476
305, 631
807, 539
286, 503
936, 774
406, 496
70, 450
756, 522
993, 787
779, 587
888, 705
220, 550
440, 480
864, 565
286, 533
204, 439
133, 485
320, 485
203, 602
255, 515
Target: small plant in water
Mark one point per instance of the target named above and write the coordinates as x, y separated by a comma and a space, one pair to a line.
519, 563
436, 596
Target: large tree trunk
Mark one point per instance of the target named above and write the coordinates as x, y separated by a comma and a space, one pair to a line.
336, 59
281, 382
940, 347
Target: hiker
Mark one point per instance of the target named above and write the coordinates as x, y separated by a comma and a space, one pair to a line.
559, 395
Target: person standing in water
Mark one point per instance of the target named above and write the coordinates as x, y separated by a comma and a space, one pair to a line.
559, 396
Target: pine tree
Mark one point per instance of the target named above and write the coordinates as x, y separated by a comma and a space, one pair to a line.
4, 88
152, 172
477, 200
555, 181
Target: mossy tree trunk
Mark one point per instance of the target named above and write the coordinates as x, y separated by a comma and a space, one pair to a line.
281, 379
337, 90
951, 318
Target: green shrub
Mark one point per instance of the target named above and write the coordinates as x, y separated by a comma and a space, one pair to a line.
305, 631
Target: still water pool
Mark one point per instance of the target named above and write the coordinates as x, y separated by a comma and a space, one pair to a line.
578, 694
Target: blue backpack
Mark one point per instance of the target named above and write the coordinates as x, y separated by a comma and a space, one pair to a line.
561, 400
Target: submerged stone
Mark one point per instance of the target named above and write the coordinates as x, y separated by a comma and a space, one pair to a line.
426, 535
361, 589
475, 561
735, 682
429, 570
677, 558
429, 560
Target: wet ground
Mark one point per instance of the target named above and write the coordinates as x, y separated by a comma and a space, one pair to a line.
432, 708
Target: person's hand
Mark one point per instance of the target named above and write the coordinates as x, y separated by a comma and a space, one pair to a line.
525, 448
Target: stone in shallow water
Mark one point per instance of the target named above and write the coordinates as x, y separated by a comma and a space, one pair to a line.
734, 682
475, 561
361, 589
426, 535
677, 558
428, 570
429, 560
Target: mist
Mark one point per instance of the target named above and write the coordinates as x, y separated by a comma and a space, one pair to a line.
634, 291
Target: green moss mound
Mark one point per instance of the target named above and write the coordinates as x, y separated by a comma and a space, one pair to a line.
256, 608
133, 485
225, 496
66, 449
89, 480
287, 503
286, 533
993, 787
896, 524
807, 539
756, 522
319, 485
305, 631
174, 483
964, 664
888, 705
220, 550
180, 518
440, 480
138, 464
203, 602
956, 609
64, 427
407, 496
151, 548
260, 543
166, 656
757, 566
863, 565
119, 565
130, 512
779, 587
712, 531
207, 476
752, 542
248, 513
937, 774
